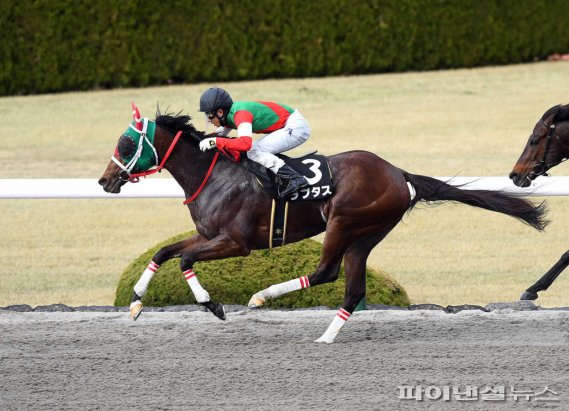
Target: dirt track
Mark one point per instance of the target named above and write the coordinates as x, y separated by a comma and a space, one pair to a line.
268, 360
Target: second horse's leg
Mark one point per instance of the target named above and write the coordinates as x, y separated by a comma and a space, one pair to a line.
548, 278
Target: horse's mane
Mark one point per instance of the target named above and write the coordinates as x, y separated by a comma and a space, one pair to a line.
560, 113
176, 122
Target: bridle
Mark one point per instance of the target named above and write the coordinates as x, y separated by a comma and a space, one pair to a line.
540, 169
140, 125
127, 175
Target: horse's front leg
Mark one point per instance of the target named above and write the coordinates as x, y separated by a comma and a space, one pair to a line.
196, 248
548, 278
163, 255
222, 246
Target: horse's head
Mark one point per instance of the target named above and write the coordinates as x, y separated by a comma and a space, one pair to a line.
547, 146
134, 153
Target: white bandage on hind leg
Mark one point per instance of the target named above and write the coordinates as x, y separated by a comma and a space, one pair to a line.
277, 290
201, 295
335, 326
142, 284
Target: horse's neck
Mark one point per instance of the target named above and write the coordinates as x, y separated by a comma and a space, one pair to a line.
563, 133
190, 167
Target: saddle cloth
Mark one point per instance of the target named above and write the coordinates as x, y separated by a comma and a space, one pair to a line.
314, 167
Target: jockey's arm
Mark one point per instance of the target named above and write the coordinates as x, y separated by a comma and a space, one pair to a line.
243, 142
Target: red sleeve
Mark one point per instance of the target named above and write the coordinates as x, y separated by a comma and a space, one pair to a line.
242, 116
242, 143
239, 144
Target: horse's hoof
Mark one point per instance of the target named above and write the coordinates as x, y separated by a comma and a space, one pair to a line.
325, 339
135, 309
256, 302
528, 295
216, 308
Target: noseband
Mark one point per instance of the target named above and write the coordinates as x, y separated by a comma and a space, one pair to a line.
540, 169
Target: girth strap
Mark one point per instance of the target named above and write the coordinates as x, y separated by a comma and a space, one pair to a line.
279, 216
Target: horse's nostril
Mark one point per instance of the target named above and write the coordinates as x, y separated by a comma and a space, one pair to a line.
103, 182
513, 176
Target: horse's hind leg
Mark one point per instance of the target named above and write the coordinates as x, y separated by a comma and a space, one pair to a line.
327, 271
276, 290
548, 278
355, 268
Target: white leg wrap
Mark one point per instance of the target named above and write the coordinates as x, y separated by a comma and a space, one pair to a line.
142, 284
335, 326
277, 290
201, 295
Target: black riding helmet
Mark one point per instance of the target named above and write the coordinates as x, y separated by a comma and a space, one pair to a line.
212, 100
215, 98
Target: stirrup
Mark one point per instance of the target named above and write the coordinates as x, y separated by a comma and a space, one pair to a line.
293, 187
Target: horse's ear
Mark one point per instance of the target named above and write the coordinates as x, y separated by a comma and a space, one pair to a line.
136, 117
551, 119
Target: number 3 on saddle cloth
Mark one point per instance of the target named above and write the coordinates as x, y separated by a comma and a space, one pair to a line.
313, 167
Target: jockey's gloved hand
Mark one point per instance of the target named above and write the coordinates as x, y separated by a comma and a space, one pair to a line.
207, 144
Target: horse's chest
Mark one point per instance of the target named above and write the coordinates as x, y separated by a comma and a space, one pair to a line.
212, 217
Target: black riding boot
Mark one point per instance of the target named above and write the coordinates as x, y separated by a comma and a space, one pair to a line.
295, 180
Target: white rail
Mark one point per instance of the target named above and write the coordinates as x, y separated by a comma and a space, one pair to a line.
87, 188
168, 188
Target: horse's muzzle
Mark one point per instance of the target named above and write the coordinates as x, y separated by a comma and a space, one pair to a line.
111, 186
520, 181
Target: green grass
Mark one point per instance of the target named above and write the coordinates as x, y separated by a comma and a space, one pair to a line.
235, 280
467, 122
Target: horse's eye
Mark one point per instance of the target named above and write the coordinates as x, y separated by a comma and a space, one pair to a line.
533, 142
126, 146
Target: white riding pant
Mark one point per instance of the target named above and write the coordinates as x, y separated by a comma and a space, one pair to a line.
295, 132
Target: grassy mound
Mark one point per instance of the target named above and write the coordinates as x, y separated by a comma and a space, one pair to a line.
235, 280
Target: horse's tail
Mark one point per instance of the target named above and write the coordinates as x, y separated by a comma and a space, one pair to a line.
430, 189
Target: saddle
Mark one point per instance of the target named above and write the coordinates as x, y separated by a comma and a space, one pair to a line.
314, 167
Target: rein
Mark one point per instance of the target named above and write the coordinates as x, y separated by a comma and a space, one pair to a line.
208, 174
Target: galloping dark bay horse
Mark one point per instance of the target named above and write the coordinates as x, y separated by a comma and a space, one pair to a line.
232, 211
547, 146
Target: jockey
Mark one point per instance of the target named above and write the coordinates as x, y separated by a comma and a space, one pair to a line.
284, 128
